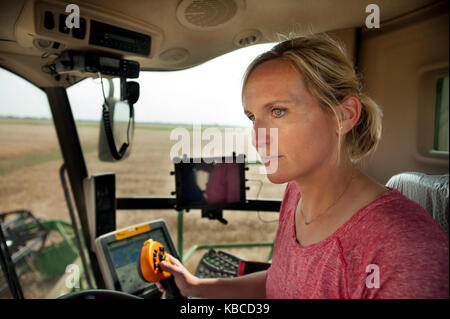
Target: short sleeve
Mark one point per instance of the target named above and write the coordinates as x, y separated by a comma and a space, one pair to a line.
409, 256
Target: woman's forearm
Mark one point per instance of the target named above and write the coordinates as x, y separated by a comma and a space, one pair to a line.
251, 286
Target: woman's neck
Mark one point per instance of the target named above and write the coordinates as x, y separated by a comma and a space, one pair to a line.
324, 188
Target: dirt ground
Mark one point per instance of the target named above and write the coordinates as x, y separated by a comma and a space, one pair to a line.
146, 172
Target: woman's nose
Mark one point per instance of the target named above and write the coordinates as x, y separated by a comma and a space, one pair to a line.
261, 137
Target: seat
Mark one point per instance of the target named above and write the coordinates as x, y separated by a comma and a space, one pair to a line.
429, 191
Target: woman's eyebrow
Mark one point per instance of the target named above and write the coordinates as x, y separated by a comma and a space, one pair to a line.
271, 103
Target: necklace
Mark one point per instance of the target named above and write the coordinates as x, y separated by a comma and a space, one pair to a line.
334, 203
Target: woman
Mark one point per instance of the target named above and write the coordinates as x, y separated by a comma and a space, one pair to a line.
341, 234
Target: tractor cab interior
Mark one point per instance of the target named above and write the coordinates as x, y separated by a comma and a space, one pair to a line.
127, 177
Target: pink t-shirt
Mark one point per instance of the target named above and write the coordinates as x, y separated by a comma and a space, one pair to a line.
391, 248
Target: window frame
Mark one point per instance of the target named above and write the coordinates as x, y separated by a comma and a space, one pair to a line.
425, 129
437, 112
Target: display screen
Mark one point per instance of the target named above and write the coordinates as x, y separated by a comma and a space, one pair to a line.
119, 38
124, 255
110, 36
203, 184
105, 195
109, 62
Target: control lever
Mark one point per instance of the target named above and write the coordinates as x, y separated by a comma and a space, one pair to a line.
151, 255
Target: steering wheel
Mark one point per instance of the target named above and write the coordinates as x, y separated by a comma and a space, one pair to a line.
98, 294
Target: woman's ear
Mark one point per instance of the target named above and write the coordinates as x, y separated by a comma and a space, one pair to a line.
349, 111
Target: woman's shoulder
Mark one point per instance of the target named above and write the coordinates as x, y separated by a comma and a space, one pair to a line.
393, 217
402, 239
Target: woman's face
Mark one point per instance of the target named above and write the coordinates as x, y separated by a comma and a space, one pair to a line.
275, 96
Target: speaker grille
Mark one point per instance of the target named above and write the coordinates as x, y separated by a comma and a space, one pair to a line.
206, 14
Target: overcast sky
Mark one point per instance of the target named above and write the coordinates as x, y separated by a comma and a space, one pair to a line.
208, 94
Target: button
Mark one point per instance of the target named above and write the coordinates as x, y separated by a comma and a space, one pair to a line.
79, 33
62, 24
49, 20
44, 43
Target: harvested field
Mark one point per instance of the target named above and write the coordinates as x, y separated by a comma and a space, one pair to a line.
29, 179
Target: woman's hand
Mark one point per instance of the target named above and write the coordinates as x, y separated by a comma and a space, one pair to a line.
185, 281
248, 286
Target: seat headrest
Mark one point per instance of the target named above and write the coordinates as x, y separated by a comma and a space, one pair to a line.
429, 191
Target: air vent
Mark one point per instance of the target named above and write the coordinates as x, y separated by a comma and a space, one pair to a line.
247, 37
205, 15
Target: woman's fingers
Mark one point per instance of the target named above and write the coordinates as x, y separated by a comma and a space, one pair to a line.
174, 260
174, 266
160, 287
166, 266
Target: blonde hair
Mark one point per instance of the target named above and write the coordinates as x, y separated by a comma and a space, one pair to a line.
329, 76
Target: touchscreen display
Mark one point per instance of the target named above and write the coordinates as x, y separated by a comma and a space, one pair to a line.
124, 255
209, 184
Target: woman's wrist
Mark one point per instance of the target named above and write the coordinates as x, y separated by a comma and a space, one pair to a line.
199, 286
195, 287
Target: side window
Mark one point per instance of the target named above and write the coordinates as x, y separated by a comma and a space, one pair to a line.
441, 131
432, 117
33, 212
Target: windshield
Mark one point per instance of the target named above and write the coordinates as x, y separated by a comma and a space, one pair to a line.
201, 104
204, 102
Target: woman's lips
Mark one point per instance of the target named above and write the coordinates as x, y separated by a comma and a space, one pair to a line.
267, 159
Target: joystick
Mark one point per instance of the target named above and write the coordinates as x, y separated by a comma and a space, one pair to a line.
152, 254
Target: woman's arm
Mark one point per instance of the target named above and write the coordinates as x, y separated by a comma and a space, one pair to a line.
248, 286
252, 286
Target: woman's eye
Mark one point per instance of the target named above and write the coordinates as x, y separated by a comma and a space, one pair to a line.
251, 118
278, 112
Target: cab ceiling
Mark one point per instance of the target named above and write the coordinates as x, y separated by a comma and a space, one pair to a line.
188, 32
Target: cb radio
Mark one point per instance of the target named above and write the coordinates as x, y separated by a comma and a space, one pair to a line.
74, 62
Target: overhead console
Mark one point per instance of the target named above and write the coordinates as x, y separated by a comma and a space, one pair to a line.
97, 30
106, 35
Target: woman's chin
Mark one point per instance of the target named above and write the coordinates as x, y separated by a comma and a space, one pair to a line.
276, 173
277, 178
